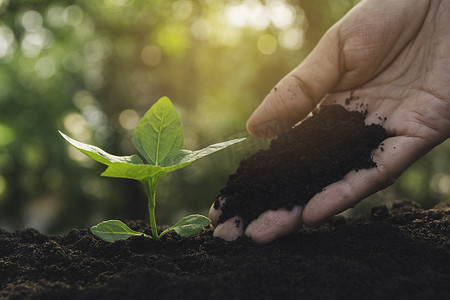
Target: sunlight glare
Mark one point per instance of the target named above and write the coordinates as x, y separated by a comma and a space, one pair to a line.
259, 16
237, 14
282, 15
254, 14
291, 38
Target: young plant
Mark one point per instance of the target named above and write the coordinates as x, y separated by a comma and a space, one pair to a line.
158, 137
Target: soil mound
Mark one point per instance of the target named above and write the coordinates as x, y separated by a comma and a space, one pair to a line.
397, 253
300, 163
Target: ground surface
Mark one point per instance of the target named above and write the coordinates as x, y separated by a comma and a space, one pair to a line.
398, 253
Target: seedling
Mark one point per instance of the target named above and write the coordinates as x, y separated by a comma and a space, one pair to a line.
158, 137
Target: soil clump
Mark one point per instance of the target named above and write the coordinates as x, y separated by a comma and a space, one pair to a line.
301, 163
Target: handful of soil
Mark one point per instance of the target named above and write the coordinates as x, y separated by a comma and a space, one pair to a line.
301, 163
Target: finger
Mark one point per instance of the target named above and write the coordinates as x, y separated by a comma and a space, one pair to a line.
215, 211
273, 224
353, 51
300, 91
399, 153
231, 229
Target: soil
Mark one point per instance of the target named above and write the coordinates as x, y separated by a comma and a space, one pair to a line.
301, 163
401, 252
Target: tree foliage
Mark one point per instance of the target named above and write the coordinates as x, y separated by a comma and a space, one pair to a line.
92, 68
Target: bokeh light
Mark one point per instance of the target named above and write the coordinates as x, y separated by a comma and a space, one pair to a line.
291, 38
182, 9
31, 20
76, 125
7, 44
267, 44
92, 68
45, 67
73, 15
54, 16
440, 183
257, 15
129, 119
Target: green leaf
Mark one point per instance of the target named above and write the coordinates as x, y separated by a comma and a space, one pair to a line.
190, 225
114, 230
187, 156
100, 155
132, 171
139, 172
174, 161
159, 132
159, 138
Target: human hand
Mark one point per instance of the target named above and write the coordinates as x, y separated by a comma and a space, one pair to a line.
395, 56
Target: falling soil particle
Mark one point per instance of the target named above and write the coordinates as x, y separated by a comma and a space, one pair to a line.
351, 98
300, 163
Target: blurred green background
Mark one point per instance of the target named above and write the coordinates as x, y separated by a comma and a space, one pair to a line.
92, 68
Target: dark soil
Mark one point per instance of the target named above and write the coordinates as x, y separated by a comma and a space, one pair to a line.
301, 163
402, 253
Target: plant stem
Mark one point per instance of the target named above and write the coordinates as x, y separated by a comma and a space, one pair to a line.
150, 188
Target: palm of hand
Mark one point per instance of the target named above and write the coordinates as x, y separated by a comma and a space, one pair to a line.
397, 62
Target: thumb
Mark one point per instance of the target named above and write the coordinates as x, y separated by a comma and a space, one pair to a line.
300, 91
354, 50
